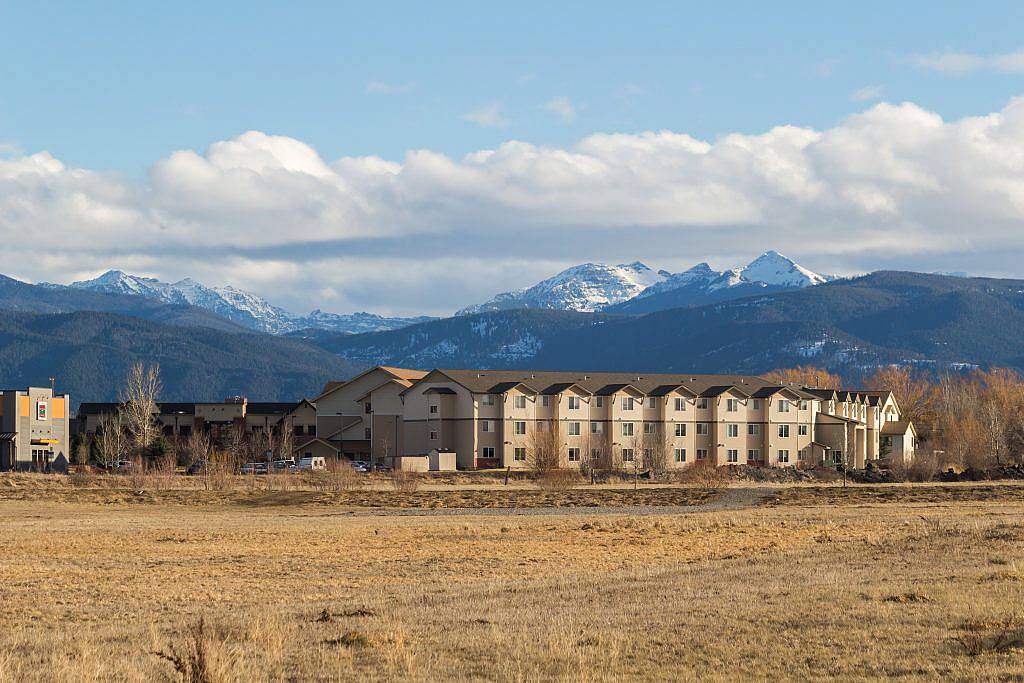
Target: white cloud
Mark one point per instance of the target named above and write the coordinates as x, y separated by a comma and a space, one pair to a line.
893, 182
487, 116
867, 93
382, 88
561, 107
953, 62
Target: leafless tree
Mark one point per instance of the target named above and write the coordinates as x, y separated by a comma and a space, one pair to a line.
655, 452
544, 449
138, 406
111, 441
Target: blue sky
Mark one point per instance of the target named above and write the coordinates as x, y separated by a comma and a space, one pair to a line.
117, 86
416, 138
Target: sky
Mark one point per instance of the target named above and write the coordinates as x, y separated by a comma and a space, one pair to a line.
414, 158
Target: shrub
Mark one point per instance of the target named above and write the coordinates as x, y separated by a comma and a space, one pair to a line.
405, 481
557, 480
707, 475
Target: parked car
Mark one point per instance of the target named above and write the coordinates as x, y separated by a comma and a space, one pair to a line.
287, 464
381, 467
198, 467
312, 462
360, 466
254, 468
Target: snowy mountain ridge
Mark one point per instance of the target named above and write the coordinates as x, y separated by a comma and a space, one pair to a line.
245, 308
595, 286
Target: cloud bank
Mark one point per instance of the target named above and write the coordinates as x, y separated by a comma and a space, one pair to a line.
430, 233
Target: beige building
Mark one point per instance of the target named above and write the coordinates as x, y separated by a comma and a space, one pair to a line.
363, 417
498, 419
35, 431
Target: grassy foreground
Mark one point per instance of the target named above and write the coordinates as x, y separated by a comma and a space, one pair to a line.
804, 586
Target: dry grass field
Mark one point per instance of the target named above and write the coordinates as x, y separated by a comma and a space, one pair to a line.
790, 583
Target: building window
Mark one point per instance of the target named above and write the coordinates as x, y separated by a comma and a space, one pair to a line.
574, 429
679, 454
433, 436
703, 428
627, 403
627, 455
732, 430
649, 428
783, 455
702, 403
367, 434
485, 426
488, 452
754, 454
627, 429
801, 430
648, 454
595, 454
702, 453
732, 455
545, 401
783, 405
680, 404
433, 410
596, 427
803, 405
519, 401
368, 407
574, 403
518, 427
753, 430
652, 402
784, 431
732, 405
541, 426
680, 429
599, 402
574, 455
519, 454
757, 404
488, 400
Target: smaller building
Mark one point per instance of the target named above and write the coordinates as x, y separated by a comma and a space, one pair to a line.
899, 441
35, 430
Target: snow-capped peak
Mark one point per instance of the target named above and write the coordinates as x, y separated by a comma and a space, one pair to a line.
586, 287
773, 268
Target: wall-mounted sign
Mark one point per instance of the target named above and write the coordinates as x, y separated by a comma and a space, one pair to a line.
41, 410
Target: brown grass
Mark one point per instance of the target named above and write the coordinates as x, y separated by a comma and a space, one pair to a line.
918, 590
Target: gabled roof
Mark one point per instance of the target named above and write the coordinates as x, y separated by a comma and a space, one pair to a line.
666, 389
502, 387
305, 444
403, 383
611, 389
898, 427
766, 392
716, 391
396, 373
559, 387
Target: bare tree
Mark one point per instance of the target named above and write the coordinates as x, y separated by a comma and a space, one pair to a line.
544, 449
655, 452
111, 441
138, 406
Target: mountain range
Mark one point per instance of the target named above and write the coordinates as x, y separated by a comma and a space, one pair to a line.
215, 342
636, 288
850, 326
238, 306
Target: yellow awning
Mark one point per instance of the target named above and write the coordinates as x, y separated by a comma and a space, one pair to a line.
45, 442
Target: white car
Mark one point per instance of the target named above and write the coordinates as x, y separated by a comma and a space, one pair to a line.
360, 466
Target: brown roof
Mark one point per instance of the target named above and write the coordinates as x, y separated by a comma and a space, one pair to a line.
402, 374
494, 381
896, 427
